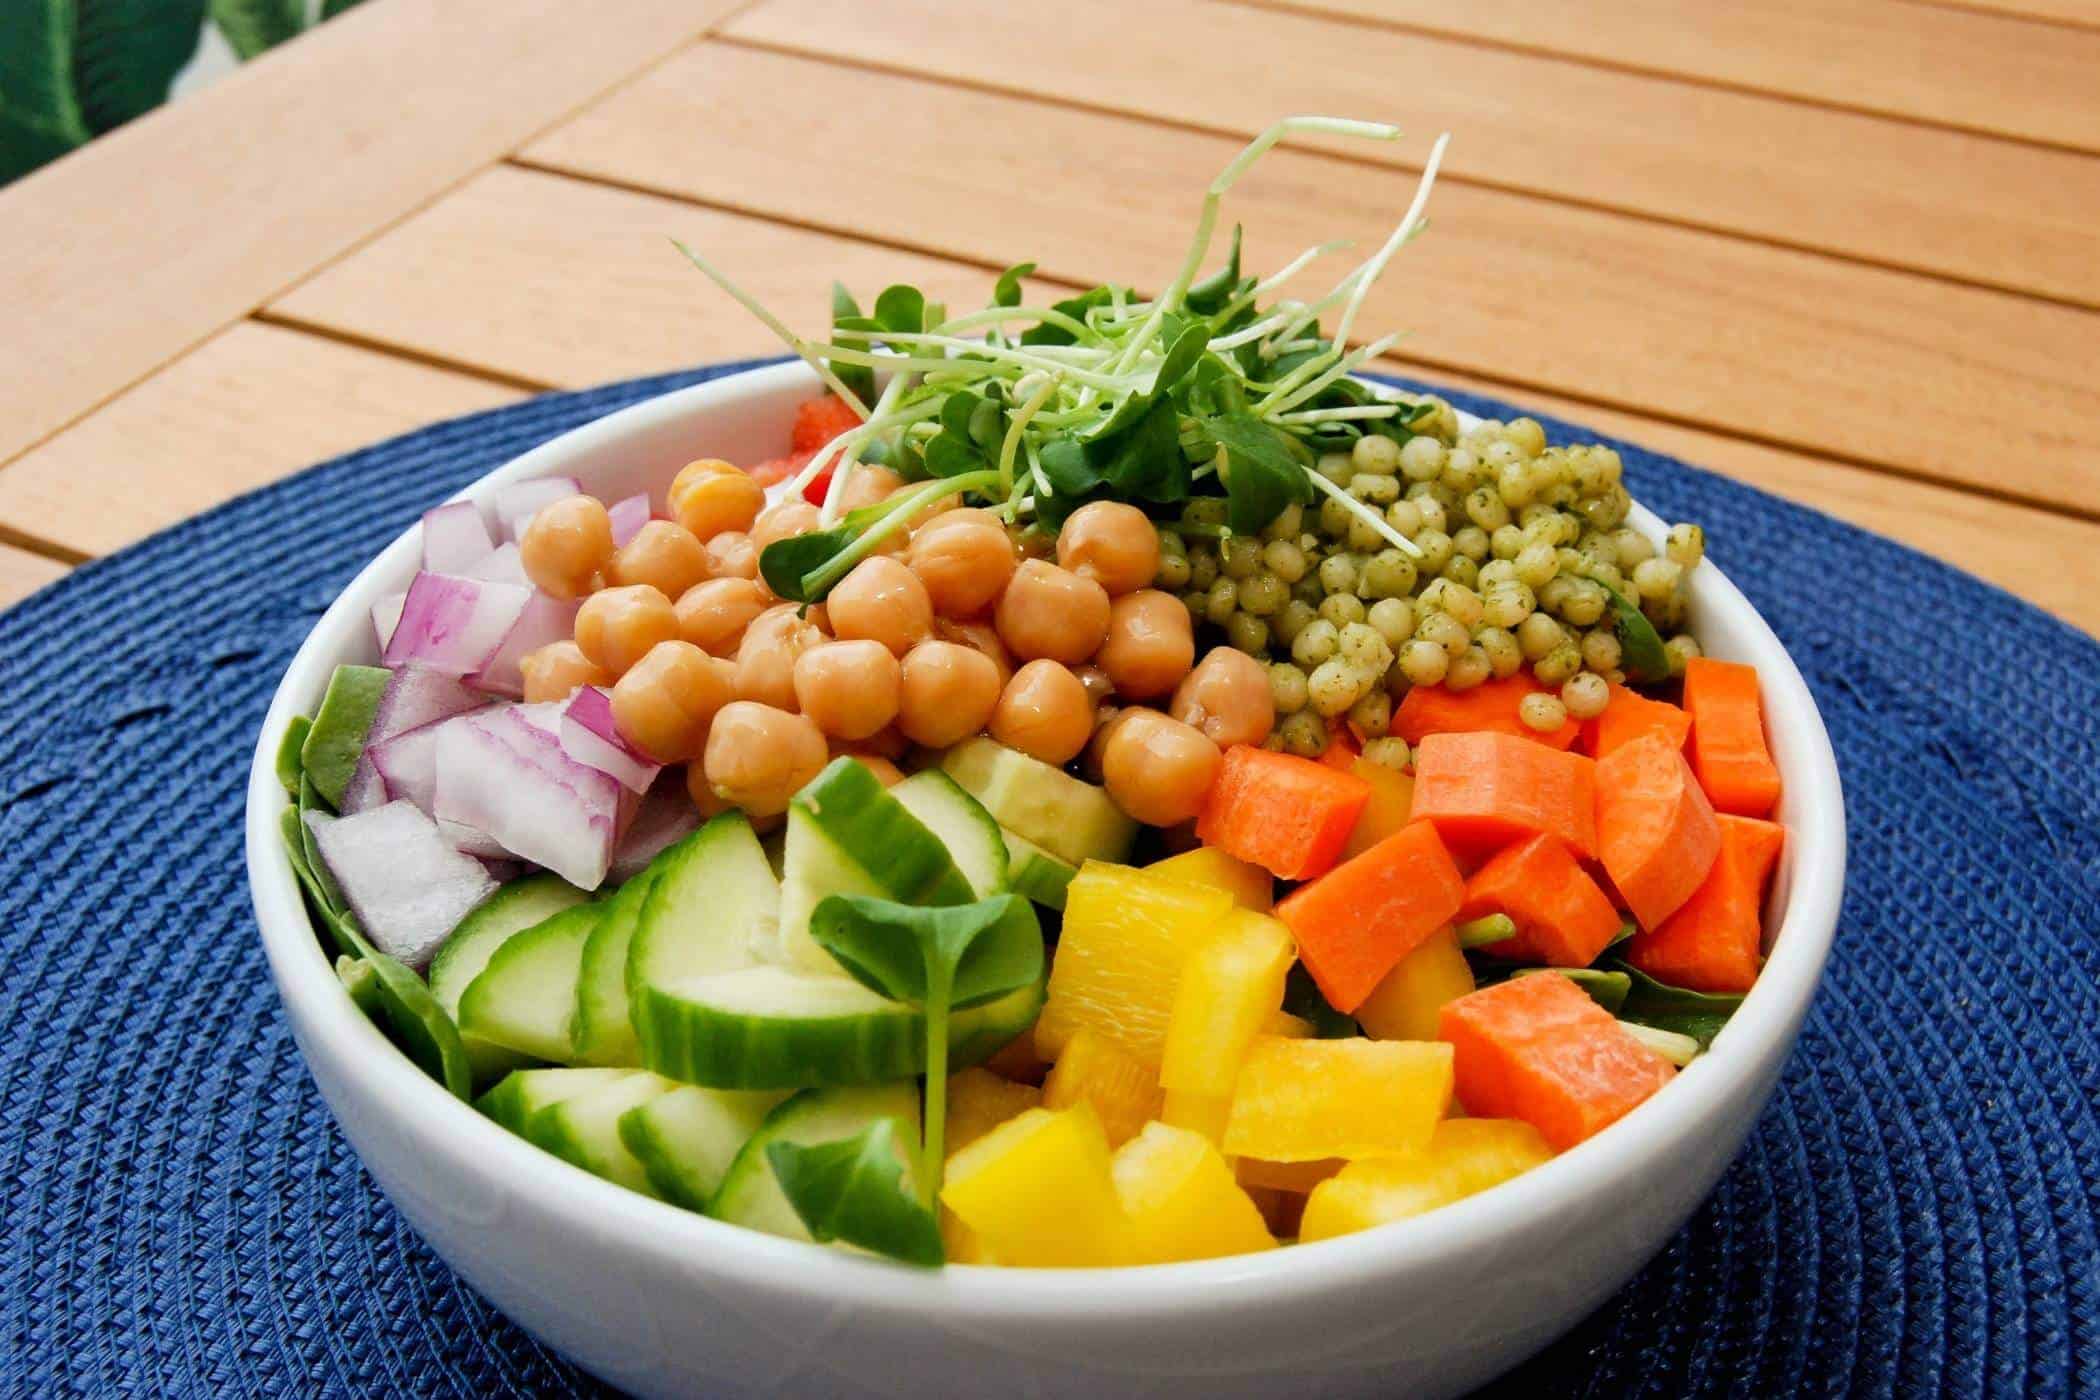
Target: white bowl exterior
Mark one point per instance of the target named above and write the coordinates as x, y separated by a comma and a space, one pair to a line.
663, 1302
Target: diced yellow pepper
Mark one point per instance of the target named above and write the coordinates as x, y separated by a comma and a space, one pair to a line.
1392, 799
1181, 1200
1122, 1089
1229, 988
979, 1101
1296, 1177
1250, 886
1199, 1113
1037, 1191
1301, 1100
1404, 1005
1465, 1155
1126, 935
1290, 1027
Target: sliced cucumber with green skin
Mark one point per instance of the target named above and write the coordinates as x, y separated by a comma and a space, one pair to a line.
584, 1129
525, 999
289, 765
1036, 873
686, 1139
973, 839
773, 1027
524, 1092
604, 1028
362, 983
467, 950
1071, 819
749, 1195
713, 900
847, 835
337, 736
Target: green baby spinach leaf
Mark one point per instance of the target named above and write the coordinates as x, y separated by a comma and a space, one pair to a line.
1699, 1015
855, 1190
1640, 645
1262, 477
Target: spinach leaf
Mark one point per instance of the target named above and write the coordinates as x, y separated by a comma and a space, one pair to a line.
1640, 646
1211, 294
1699, 1015
854, 1190
1146, 462
1076, 308
1007, 290
1302, 998
1262, 477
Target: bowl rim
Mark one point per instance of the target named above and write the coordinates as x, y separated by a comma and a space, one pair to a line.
1755, 1042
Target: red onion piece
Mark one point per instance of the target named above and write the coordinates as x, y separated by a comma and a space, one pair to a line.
418, 695
666, 815
499, 773
628, 517
589, 735
517, 504
500, 565
454, 538
545, 619
407, 765
455, 624
386, 616
403, 881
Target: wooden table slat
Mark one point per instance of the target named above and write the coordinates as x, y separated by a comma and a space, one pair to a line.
23, 573
1853, 362
2082, 13
1981, 210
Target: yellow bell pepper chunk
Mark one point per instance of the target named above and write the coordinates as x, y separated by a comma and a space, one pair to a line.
1037, 1191
1230, 987
1122, 1089
1250, 886
1301, 1100
1392, 799
1199, 1113
1126, 935
1290, 1027
979, 1101
1404, 1005
1181, 1200
1465, 1155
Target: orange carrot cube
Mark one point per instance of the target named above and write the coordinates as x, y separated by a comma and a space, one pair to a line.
1714, 943
1562, 918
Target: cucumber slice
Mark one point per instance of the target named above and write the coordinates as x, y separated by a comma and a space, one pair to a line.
1036, 873
584, 1129
773, 1027
713, 900
604, 1027
686, 1139
362, 983
289, 764
525, 999
751, 1197
467, 949
847, 835
524, 1092
337, 736
1072, 820
973, 839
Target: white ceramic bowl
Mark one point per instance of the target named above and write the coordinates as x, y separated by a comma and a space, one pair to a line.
663, 1302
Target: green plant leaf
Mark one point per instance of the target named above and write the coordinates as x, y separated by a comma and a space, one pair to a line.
1007, 290
1640, 645
845, 314
253, 26
1214, 291
855, 1190
982, 951
331, 8
786, 564
1262, 478
1302, 998
40, 113
127, 52
1076, 308
1699, 1015
291, 762
901, 308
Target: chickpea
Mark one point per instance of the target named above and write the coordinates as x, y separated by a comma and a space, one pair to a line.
1044, 713
666, 701
1228, 698
1149, 644
958, 515
710, 496
881, 601
556, 670
887, 742
1157, 769
886, 772
1098, 686
616, 627
964, 566
732, 554
1051, 612
566, 546
783, 521
765, 659
1113, 544
759, 757
946, 693
865, 485
849, 688
714, 614
663, 554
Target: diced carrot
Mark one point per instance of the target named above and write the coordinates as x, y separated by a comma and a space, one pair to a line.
818, 421
1342, 750
1713, 943
1289, 815
1539, 1049
779, 469
1728, 737
1656, 831
1485, 790
1356, 921
1562, 918
1629, 715
1490, 707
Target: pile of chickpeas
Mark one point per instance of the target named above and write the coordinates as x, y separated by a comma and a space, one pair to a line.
1059, 647
1514, 539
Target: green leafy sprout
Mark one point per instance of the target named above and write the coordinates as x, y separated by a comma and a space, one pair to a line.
1214, 387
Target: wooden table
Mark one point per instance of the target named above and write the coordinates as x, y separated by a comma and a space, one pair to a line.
1848, 251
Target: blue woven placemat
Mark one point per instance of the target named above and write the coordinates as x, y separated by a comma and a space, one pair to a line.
1916, 1213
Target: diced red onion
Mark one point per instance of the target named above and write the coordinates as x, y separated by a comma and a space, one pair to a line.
365, 790
478, 844
589, 735
417, 695
517, 504
501, 774
455, 624
407, 764
455, 538
666, 815
407, 886
386, 616
545, 619
628, 517
502, 564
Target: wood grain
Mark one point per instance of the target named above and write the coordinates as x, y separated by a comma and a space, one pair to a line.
1983, 210
248, 407
1852, 362
23, 573
1928, 63
563, 282
2082, 13
139, 246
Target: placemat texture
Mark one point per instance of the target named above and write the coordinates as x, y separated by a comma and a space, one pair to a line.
1915, 1214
